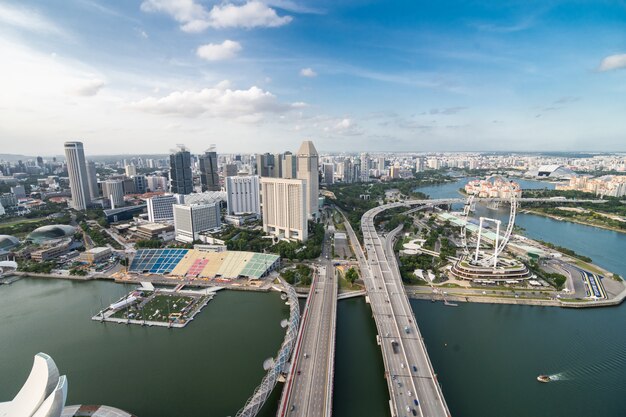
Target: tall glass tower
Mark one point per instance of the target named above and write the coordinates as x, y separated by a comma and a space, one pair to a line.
181, 179
208, 172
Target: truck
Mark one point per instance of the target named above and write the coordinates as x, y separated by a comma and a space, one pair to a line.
394, 346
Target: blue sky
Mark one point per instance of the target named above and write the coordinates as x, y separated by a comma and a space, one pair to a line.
249, 76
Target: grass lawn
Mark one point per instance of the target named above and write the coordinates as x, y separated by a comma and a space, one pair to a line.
588, 267
20, 221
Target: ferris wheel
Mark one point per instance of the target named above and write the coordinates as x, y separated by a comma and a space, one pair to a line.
500, 243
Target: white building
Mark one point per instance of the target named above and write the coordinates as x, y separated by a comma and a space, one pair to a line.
113, 190
160, 208
191, 220
156, 183
77, 171
365, 168
285, 208
308, 170
242, 195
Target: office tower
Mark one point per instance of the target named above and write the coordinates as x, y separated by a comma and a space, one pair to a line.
394, 172
160, 208
242, 195
381, 164
230, 170
181, 180
278, 166
156, 182
347, 176
365, 168
141, 184
92, 179
130, 170
419, 165
329, 172
208, 172
285, 208
77, 171
129, 186
289, 165
19, 191
40, 162
265, 165
191, 220
113, 190
308, 171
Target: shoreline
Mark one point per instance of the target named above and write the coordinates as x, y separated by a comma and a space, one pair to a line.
566, 219
478, 299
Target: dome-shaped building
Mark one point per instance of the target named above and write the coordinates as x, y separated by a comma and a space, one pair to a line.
8, 242
51, 232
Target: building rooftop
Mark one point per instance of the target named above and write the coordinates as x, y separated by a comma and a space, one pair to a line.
307, 149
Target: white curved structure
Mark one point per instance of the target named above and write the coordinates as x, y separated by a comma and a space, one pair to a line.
7, 266
43, 393
499, 245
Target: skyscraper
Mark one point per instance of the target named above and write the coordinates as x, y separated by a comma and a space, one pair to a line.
113, 190
289, 164
92, 180
284, 208
181, 180
208, 172
365, 168
77, 171
309, 172
265, 165
242, 195
347, 171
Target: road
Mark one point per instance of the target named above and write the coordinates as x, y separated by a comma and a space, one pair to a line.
413, 386
310, 382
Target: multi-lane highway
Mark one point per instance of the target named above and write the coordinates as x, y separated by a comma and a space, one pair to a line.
308, 391
413, 386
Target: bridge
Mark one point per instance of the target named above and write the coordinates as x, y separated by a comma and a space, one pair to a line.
412, 383
309, 386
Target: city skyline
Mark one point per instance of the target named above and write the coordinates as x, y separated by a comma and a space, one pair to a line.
260, 75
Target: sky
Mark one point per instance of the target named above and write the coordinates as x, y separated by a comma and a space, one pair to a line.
141, 76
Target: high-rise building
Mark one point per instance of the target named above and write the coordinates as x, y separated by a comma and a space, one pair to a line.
419, 165
347, 176
19, 191
381, 163
77, 171
113, 190
308, 170
230, 170
131, 170
365, 168
141, 184
329, 172
181, 180
285, 208
191, 220
92, 176
208, 172
160, 208
265, 165
156, 183
242, 195
289, 165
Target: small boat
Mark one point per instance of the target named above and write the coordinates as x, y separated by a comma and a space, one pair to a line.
544, 378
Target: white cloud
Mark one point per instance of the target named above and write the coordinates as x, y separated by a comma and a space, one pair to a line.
613, 62
29, 19
86, 88
218, 101
308, 72
344, 124
219, 51
193, 17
